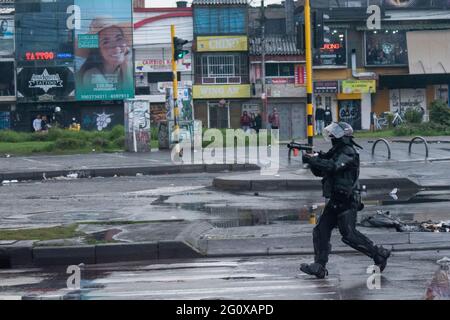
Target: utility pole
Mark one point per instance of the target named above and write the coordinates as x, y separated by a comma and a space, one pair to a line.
263, 63
309, 73
175, 90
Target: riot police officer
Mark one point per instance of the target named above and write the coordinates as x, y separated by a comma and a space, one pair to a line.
339, 169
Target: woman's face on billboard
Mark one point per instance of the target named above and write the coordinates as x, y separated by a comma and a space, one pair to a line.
113, 46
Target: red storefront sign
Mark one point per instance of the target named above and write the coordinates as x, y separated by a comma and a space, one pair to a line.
300, 75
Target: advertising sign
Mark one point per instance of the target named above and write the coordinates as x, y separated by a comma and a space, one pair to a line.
103, 50
222, 91
359, 86
6, 36
300, 75
42, 33
333, 53
45, 84
222, 43
326, 87
412, 4
162, 65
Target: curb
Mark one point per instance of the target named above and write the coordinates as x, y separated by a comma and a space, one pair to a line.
128, 171
23, 254
302, 185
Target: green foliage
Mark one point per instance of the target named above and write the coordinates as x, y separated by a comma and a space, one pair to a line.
69, 143
119, 142
13, 136
117, 132
100, 142
440, 113
413, 116
423, 129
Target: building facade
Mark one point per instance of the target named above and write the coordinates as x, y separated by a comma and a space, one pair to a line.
63, 69
7, 65
221, 83
401, 66
153, 55
282, 85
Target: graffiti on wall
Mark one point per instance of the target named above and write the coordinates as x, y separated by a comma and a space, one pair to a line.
350, 112
137, 125
97, 121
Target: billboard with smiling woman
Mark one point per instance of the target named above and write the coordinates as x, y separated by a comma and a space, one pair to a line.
103, 50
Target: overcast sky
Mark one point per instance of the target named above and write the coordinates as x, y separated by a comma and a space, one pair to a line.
171, 3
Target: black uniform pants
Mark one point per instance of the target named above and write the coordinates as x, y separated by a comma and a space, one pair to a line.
341, 214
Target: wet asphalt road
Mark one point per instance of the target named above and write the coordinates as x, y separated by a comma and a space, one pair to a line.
253, 278
168, 197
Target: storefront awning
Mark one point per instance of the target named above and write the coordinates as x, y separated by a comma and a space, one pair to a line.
412, 80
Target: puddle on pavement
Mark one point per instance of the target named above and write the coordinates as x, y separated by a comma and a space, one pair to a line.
226, 214
105, 236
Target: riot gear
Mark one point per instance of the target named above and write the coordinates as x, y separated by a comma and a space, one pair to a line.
339, 169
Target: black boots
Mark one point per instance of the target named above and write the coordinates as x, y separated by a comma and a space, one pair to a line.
314, 269
381, 258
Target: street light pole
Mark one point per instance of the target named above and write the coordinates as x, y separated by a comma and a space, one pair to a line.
309, 73
175, 88
263, 62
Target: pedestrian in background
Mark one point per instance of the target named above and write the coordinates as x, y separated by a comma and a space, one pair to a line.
246, 121
328, 116
44, 124
274, 119
320, 119
37, 123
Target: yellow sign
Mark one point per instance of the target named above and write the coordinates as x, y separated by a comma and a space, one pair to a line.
222, 43
359, 86
222, 91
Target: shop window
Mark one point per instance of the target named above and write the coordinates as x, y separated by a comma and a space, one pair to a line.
333, 53
5, 122
7, 87
386, 48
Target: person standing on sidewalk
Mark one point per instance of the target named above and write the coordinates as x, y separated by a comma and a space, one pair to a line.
320, 119
37, 123
328, 116
339, 169
274, 119
246, 121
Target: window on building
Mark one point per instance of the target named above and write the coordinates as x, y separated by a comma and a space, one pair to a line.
41, 27
219, 21
333, 53
6, 36
280, 70
222, 69
386, 48
5, 120
7, 86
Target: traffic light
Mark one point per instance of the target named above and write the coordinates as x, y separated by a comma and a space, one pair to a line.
322, 30
301, 45
179, 52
